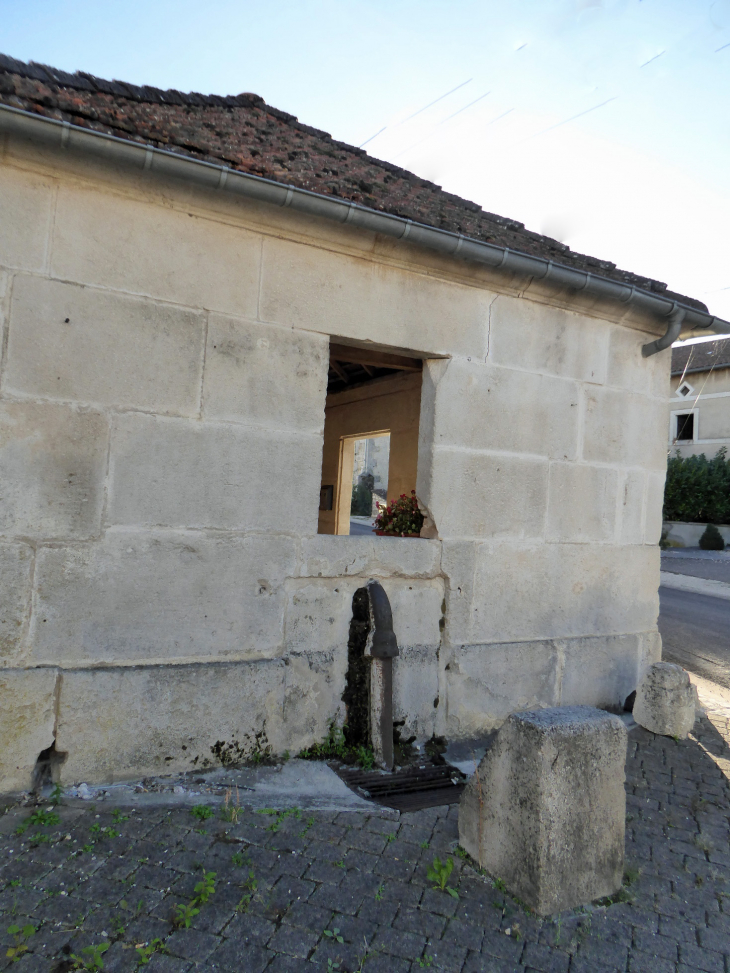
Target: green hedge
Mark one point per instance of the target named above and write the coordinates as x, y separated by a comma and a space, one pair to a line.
698, 489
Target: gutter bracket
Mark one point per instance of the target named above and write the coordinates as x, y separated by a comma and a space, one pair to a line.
674, 326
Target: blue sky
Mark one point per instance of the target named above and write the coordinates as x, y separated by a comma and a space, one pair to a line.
605, 123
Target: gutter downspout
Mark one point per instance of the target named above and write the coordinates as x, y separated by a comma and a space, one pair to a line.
139, 155
674, 326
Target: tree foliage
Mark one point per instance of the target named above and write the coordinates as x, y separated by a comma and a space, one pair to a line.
698, 489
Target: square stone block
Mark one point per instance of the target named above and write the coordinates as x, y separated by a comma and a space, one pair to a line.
546, 809
16, 561
27, 716
86, 345
53, 461
118, 723
25, 202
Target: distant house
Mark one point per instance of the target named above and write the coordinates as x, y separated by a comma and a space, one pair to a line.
204, 305
699, 401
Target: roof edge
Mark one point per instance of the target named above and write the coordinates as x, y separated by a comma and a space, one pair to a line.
66, 136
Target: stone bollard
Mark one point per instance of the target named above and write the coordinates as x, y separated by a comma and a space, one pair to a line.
546, 809
665, 700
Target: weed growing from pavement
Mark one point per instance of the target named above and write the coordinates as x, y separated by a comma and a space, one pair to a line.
231, 811
335, 747
202, 812
42, 818
91, 958
183, 915
21, 935
439, 873
99, 832
280, 816
307, 826
250, 887
204, 888
334, 935
146, 952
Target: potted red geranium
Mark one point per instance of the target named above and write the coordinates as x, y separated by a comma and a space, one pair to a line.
399, 518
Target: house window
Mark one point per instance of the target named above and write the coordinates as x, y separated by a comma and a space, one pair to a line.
370, 451
684, 427
684, 390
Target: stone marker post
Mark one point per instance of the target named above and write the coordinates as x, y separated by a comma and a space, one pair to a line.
546, 809
665, 700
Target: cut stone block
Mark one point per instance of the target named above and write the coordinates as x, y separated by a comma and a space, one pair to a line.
546, 809
665, 702
27, 718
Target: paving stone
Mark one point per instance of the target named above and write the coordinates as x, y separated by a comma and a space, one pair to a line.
318, 871
545, 959
294, 941
485, 963
701, 959
396, 942
288, 964
161, 963
445, 956
467, 934
641, 962
237, 956
421, 922
307, 916
388, 964
656, 945
192, 944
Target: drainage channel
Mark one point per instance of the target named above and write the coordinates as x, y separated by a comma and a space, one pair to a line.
410, 789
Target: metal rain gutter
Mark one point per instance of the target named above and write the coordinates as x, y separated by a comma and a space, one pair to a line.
210, 176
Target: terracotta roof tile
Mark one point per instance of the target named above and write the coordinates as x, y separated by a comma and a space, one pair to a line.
244, 133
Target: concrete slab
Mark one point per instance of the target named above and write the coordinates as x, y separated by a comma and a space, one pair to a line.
306, 784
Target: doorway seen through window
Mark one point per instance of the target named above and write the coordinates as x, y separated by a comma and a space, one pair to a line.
369, 481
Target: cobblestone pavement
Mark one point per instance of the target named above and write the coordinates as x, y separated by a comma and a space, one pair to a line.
300, 892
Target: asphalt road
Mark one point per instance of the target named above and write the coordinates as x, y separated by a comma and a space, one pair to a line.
696, 633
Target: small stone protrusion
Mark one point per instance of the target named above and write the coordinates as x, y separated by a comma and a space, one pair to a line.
666, 701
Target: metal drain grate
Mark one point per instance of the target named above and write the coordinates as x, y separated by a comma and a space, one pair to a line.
406, 790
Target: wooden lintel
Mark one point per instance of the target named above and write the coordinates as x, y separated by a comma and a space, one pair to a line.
376, 359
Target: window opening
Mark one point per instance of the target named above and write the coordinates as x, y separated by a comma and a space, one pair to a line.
684, 390
685, 427
370, 451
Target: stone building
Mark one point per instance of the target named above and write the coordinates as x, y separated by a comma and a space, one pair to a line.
203, 302
699, 398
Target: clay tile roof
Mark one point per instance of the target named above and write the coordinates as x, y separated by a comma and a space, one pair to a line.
244, 133
701, 357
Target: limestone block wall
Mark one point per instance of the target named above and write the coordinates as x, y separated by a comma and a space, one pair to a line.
542, 470
166, 597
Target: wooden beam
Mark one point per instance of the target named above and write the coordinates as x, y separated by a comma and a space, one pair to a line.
340, 371
376, 359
